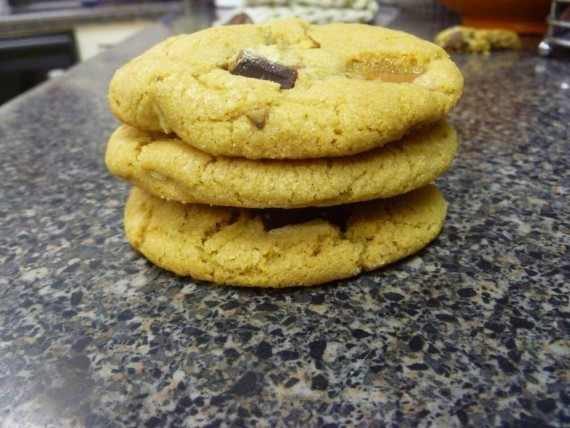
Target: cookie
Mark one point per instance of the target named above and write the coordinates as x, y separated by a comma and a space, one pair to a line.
475, 40
167, 167
280, 248
287, 90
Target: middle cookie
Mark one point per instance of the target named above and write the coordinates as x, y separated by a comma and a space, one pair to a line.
171, 169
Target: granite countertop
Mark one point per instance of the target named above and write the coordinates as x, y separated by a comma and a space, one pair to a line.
473, 330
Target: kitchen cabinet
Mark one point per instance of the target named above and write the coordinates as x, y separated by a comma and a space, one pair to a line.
37, 37
27, 61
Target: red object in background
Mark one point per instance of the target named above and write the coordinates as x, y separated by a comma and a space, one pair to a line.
522, 16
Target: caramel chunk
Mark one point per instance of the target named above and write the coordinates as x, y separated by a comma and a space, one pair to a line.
258, 116
397, 77
248, 64
368, 66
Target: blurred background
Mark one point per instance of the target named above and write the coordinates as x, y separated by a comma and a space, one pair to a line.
40, 39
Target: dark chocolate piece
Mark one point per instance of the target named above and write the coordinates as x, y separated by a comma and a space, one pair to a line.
240, 19
456, 41
274, 218
251, 65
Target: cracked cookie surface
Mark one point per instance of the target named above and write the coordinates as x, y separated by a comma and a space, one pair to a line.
166, 167
236, 246
356, 87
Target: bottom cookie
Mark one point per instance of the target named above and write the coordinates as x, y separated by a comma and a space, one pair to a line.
277, 247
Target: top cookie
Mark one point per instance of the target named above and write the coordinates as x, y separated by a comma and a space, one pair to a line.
331, 90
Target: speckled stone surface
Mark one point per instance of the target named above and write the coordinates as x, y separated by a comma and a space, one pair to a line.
473, 330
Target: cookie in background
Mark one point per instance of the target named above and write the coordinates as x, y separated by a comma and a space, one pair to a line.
463, 39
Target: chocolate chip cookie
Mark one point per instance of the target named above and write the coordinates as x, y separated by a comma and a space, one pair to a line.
286, 89
166, 167
477, 40
280, 248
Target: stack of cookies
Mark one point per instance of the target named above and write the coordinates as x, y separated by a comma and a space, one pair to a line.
283, 154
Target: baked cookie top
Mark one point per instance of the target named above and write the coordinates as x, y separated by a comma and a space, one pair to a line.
237, 246
171, 169
287, 90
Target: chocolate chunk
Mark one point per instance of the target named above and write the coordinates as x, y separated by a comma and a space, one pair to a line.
456, 41
274, 218
240, 19
251, 65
